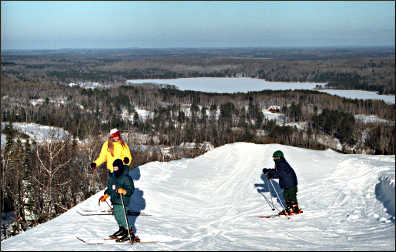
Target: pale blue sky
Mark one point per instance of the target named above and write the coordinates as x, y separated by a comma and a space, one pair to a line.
54, 25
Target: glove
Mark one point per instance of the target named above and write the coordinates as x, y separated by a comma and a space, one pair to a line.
126, 160
265, 170
269, 176
104, 197
121, 191
93, 166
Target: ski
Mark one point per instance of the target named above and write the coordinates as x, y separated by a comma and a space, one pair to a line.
110, 241
278, 215
131, 213
94, 210
269, 216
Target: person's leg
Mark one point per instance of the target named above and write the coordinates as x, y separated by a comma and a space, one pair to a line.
292, 198
287, 196
292, 195
120, 216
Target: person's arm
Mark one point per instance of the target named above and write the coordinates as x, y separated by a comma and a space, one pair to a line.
127, 186
126, 155
103, 155
271, 173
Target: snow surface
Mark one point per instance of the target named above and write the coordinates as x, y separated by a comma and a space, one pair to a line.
144, 114
37, 132
233, 85
88, 85
228, 85
360, 94
372, 119
211, 202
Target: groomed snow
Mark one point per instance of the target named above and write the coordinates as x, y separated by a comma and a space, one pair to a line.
212, 202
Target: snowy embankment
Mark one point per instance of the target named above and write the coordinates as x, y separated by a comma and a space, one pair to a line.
212, 202
37, 132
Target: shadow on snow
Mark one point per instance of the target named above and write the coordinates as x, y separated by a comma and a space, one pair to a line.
275, 192
137, 203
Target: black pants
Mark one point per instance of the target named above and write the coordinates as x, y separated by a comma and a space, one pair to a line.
290, 195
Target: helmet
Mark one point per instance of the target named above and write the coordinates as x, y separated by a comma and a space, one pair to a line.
278, 153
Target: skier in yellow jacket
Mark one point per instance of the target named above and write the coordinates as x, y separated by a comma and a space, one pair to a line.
114, 148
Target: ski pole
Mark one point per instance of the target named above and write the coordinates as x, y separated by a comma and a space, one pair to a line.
269, 203
277, 195
272, 203
109, 205
126, 218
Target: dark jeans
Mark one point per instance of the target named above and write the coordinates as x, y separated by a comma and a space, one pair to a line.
290, 195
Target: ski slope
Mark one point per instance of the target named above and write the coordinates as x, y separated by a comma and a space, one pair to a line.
212, 202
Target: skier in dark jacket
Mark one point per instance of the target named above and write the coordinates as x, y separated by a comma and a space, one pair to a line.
120, 183
287, 181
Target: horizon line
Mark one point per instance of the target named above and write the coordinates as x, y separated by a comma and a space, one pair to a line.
192, 47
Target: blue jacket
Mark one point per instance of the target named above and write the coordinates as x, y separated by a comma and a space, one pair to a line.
283, 171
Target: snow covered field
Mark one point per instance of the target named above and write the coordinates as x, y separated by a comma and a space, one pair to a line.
227, 85
37, 132
212, 202
233, 85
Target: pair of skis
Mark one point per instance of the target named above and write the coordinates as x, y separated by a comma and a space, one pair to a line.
88, 212
108, 241
85, 212
278, 215
96, 241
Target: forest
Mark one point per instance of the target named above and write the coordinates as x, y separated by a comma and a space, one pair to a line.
42, 180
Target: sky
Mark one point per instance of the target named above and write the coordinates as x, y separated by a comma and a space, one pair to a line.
162, 24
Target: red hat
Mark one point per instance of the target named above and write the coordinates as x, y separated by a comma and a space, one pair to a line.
114, 133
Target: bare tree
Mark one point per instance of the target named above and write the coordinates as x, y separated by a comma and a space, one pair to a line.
51, 162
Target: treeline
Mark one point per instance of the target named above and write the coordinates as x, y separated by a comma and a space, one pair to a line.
370, 69
217, 118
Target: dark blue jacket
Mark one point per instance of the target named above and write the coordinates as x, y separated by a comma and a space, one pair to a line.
283, 171
120, 179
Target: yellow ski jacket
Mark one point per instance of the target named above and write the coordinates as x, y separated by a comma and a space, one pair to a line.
120, 152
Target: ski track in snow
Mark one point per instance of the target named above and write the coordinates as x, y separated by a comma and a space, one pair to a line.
212, 202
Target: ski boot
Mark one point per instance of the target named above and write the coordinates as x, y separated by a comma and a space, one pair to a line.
125, 237
286, 211
136, 239
295, 209
291, 209
118, 233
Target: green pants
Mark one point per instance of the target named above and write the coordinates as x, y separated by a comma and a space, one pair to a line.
290, 194
120, 216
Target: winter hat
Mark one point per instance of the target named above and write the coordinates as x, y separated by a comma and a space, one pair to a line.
114, 132
120, 165
278, 153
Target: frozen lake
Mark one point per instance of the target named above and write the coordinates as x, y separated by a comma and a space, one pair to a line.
234, 85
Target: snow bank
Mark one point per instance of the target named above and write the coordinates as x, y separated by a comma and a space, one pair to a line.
211, 202
38, 132
385, 192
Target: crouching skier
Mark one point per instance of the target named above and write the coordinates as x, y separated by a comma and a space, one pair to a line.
120, 183
287, 181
